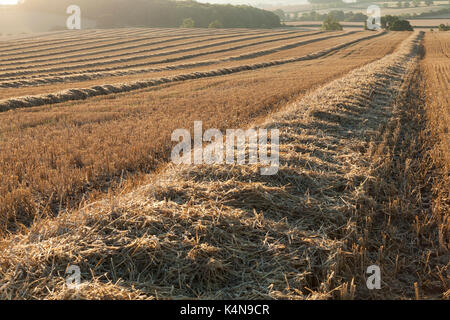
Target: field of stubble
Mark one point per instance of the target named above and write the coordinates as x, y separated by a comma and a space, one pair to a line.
86, 119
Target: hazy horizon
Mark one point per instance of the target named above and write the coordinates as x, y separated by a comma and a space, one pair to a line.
256, 2
6, 2
235, 2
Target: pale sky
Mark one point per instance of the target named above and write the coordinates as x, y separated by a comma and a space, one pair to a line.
8, 1
254, 2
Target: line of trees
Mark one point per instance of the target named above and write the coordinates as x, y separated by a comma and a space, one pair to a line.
444, 27
395, 23
331, 24
161, 13
426, 14
336, 14
414, 3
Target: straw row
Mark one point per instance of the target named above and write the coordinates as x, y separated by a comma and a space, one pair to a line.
105, 72
226, 232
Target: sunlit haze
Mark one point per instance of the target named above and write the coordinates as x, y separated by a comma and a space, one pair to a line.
8, 2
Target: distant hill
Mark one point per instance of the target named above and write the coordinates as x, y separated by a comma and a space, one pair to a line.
14, 21
159, 13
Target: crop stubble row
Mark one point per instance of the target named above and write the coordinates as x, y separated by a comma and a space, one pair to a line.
311, 49
203, 225
54, 154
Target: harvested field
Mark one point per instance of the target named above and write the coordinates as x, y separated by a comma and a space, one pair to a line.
255, 60
435, 69
156, 58
428, 23
86, 177
164, 43
81, 122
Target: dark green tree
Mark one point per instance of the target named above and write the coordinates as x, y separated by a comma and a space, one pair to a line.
401, 25
387, 21
443, 27
330, 23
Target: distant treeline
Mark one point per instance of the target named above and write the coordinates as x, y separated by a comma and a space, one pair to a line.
426, 14
339, 15
160, 13
326, 1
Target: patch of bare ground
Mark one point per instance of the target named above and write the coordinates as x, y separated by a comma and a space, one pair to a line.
347, 195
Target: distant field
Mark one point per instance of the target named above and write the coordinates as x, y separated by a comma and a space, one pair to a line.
418, 23
318, 24
428, 22
86, 119
362, 7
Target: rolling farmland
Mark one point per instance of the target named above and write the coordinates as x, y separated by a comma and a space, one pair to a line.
86, 119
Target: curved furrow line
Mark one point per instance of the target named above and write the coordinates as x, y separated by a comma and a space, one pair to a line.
13, 46
56, 35
73, 38
130, 34
322, 211
174, 59
140, 38
86, 34
87, 75
59, 60
52, 56
31, 54
84, 93
77, 34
